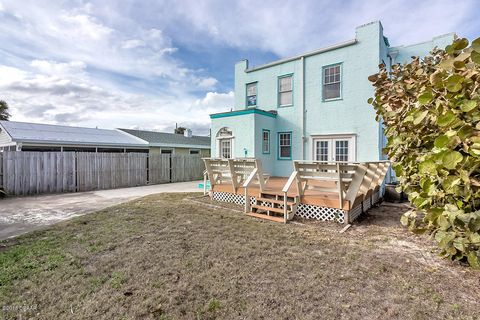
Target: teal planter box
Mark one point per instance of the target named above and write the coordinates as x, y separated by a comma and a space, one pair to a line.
200, 185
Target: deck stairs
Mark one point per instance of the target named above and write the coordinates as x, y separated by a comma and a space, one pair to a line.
270, 205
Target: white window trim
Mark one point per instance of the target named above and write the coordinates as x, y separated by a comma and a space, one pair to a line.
279, 147
256, 94
340, 97
232, 146
352, 154
268, 141
279, 92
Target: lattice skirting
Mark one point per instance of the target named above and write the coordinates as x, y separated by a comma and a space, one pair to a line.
232, 198
306, 210
309, 211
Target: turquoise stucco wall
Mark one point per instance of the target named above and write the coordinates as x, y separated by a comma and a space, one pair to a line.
349, 115
421, 49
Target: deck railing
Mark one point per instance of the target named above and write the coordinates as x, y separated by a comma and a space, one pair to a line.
234, 172
352, 181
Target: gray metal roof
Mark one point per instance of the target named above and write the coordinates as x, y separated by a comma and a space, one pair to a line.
53, 134
170, 139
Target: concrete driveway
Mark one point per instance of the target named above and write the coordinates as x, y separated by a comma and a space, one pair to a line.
24, 214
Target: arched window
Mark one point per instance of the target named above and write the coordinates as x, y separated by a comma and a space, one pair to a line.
225, 143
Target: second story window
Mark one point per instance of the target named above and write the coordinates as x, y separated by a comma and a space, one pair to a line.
252, 94
285, 91
332, 82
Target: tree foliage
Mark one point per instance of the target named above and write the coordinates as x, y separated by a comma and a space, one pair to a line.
4, 115
431, 111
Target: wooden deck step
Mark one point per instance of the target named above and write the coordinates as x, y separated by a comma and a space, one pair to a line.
274, 201
271, 192
264, 216
259, 207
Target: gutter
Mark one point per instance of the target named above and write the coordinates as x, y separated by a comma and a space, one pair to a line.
79, 143
302, 102
305, 55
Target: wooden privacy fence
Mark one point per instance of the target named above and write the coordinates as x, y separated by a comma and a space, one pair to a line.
23, 173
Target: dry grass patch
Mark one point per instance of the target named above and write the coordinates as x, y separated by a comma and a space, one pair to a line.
167, 257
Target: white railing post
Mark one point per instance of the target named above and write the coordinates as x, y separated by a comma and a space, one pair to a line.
245, 187
205, 182
340, 187
285, 189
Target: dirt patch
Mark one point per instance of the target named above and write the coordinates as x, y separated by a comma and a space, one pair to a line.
168, 257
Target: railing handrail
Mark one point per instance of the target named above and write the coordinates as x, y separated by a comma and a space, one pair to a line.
340, 162
250, 178
290, 181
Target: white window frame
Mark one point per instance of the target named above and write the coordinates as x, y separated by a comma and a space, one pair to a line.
256, 94
279, 155
279, 93
331, 138
265, 141
324, 82
220, 155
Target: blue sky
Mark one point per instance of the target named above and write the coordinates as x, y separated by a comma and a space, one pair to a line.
148, 64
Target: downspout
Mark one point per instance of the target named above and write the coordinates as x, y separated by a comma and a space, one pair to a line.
302, 101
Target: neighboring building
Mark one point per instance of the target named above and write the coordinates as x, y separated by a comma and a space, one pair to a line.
23, 136
173, 143
312, 106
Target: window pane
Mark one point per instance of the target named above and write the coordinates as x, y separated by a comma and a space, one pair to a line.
285, 84
251, 89
251, 94
331, 91
251, 101
285, 145
266, 142
285, 98
341, 150
322, 151
225, 151
285, 152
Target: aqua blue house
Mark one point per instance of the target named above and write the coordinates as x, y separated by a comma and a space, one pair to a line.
312, 106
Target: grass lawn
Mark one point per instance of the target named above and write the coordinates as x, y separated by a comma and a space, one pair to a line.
170, 257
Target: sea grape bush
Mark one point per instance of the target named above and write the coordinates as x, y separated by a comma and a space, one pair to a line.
430, 108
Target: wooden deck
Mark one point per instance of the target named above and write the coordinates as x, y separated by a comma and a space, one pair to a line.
275, 184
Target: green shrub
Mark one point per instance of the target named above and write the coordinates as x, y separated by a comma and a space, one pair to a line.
431, 111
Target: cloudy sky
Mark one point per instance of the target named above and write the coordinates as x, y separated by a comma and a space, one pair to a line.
148, 64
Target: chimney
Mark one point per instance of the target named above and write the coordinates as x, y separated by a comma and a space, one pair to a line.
187, 133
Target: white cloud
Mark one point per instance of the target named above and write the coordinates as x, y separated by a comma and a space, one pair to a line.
132, 44
58, 68
207, 83
40, 96
215, 101
298, 26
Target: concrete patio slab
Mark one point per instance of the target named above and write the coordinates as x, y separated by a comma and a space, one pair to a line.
19, 215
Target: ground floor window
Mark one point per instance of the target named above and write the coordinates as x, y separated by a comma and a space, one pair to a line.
226, 148
285, 145
265, 141
166, 151
334, 148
